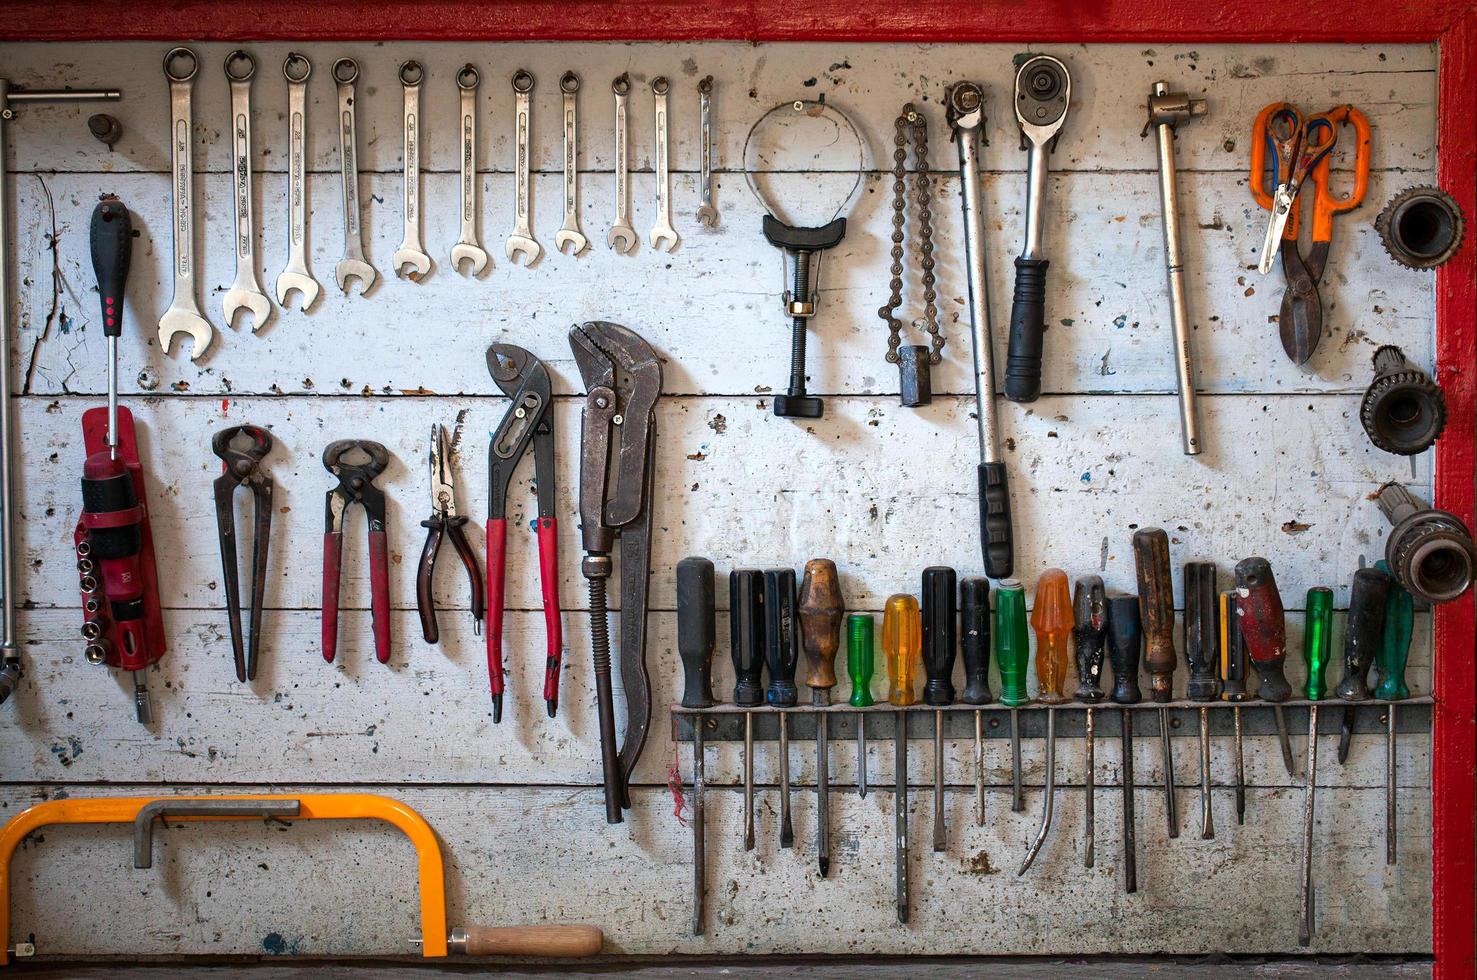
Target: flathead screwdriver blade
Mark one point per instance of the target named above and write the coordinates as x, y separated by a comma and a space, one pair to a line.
1281, 718
940, 641
1046, 811
974, 628
1089, 785
748, 780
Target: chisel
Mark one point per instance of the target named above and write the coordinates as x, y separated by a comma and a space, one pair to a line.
1201, 636
1124, 641
974, 623
1156, 605
1263, 629
1090, 611
821, 609
901, 641
781, 653
940, 642
1391, 659
1012, 650
695, 645
746, 633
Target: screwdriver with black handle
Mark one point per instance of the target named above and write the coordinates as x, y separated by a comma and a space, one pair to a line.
1393, 653
1156, 605
821, 609
695, 645
1263, 628
781, 654
902, 639
1363, 631
940, 642
974, 625
1233, 687
1124, 641
859, 667
1317, 640
1201, 643
1012, 651
1089, 635
746, 631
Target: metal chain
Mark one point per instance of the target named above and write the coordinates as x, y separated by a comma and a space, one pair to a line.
912, 119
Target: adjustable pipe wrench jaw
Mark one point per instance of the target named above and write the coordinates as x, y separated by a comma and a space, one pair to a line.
524, 379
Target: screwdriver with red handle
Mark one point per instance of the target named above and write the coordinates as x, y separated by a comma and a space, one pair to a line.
1263, 629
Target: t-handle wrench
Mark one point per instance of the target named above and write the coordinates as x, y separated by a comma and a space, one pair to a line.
467, 247
183, 315
569, 233
411, 253
622, 236
521, 241
296, 70
353, 264
663, 235
707, 214
245, 292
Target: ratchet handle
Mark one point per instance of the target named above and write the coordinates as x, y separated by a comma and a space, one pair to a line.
996, 536
1027, 324
111, 235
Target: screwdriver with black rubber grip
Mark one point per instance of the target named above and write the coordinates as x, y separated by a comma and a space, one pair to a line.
1051, 618
1124, 642
1012, 651
1089, 635
695, 645
1317, 641
1156, 606
781, 654
974, 625
1201, 643
821, 609
1390, 660
940, 644
902, 639
1263, 627
746, 632
1363, 630
859, 646
1233, 687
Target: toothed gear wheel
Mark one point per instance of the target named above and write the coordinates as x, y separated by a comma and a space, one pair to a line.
1421, 227
1403, 411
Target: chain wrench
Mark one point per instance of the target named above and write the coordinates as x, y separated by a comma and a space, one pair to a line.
245, 293
521, 240
467, 247
707, 214
296, 70
183, 315
622, 236
352, 265
569, 233
410, 253
662, 232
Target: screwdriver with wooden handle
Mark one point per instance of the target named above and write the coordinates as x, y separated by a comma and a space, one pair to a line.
902, 639
974, 624
1201, 642
821, 609
859, 646
1317, 640
695, 645
1263, 629
1390, 660
746, 633
1052, 620
1012, 651
1124, 642
1233, 687
1156, 605
1363, 631
1089, 635
940, 642
781, 653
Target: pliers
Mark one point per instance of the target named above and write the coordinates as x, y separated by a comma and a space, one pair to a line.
525, 380
444, 522
356, 485
623, 379
242, 449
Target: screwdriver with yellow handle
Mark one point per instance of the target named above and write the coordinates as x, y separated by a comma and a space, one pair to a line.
902, 641
1052, 620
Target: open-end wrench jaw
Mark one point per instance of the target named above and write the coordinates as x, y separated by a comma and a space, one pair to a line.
355, 269
238, 298
465, 252
411, 263
565, 237
622, 238
175, 322
305, 285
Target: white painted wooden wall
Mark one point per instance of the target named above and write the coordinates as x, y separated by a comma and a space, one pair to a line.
882, 490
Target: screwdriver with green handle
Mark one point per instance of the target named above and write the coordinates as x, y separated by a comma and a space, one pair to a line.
1012, 651
1317, 639
902, 640
859, 646
1390, 660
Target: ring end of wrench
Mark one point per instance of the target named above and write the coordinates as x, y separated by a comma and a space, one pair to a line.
466, 252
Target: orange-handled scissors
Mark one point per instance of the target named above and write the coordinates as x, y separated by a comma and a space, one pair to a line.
1299, 147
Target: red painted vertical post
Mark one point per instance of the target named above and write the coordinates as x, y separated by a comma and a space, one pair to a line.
1454, 734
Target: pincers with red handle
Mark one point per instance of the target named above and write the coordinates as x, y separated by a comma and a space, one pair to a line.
356, 485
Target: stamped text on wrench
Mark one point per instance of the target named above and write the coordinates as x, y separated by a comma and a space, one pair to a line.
411, 260
521, 241
622, 236
663, 235
468, 248
569, 232
707, 214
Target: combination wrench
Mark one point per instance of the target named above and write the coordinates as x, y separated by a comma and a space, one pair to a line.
245, 292
663, 235
707, 214
183, 315
622, 236
569, 233
521, 240
296, 69
410, 253
467, 247
353, 264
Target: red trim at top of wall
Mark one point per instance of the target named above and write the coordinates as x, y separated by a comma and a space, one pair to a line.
1017, 21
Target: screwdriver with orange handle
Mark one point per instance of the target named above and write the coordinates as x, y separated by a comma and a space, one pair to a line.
1053, 621
902, 640
821, 609
1156, 605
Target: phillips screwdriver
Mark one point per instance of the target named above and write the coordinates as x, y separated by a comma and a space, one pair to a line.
1263, 628
746, 631
974, 623
1390, 660
821, 609
1363, 630
781, 651
1201, 640
940, 642
1233, 687
1012, 650
1052, 620
1090, 611
859, 667
695, 645
1124, 640
902, 639
1156, 606
1317, 639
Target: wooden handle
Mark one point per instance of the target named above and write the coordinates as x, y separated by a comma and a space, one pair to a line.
577, 940
821, 610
